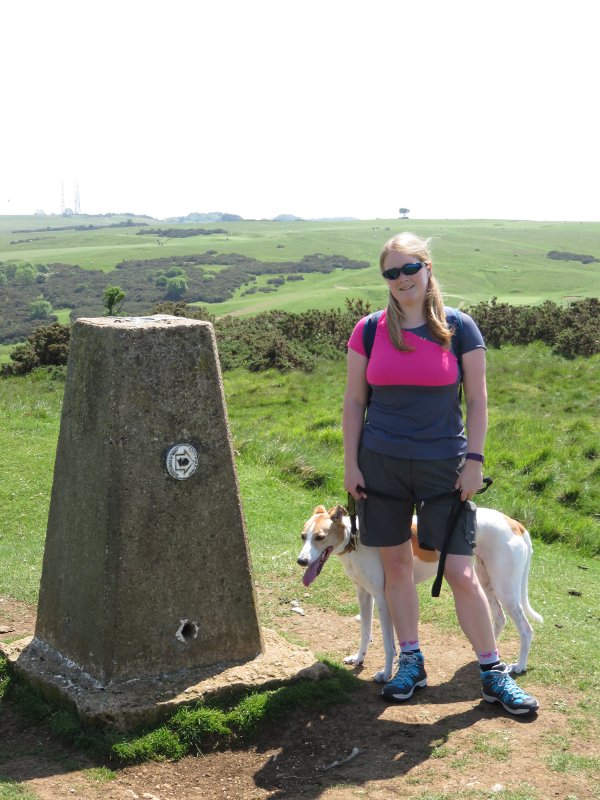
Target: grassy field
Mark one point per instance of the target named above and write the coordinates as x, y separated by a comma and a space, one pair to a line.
475, 260
286, 430
543, 446
543, 453
5, 350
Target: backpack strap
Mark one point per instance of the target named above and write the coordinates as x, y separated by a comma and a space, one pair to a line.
369, 330
454, 319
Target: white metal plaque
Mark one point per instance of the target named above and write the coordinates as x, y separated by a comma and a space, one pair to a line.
182, 461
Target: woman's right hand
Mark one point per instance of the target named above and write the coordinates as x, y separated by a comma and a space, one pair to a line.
353, 478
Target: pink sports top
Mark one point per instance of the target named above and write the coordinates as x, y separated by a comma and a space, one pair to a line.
414, 411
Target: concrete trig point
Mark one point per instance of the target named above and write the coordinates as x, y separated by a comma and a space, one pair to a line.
146, 597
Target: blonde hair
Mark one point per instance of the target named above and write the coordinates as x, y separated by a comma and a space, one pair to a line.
435, 316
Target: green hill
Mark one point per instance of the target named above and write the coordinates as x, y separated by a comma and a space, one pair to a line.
262, 265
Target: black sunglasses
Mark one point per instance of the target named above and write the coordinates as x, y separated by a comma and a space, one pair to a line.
408, 269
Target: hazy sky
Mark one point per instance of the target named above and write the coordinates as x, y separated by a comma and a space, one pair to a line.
454, 108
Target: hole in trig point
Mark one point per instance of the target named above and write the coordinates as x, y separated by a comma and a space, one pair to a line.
187, 631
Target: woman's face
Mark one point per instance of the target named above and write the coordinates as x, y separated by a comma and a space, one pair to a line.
409, 290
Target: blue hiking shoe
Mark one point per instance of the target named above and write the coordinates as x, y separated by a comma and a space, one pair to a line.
498, 687
410, 674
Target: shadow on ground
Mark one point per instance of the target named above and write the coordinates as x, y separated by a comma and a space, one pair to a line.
391, 740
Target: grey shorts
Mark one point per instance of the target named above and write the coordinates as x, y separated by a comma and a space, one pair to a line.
385, 522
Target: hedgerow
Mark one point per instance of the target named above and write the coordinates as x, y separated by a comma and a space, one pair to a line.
283, 340
572, 330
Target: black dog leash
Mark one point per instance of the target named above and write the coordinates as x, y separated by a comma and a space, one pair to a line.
456, 510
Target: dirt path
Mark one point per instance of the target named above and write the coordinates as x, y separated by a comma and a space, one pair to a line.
443, 742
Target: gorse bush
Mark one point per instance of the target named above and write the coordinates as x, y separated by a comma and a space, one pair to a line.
47, 346
559, 255
570, 331
283, 340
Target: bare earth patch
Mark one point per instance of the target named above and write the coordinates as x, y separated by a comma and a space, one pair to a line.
444, 741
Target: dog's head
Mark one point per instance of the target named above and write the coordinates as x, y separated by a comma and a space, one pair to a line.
322, 534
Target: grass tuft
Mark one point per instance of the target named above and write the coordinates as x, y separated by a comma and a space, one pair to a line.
567, 762
100, 774
10, 790
201, 727
157, 745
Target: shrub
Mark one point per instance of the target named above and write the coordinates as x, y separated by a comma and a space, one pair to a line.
47, 345
284, 341
558, 255
180, 309
176, 287
113, 298
569, 330
40, 308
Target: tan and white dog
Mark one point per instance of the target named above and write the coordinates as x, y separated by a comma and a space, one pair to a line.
502, 560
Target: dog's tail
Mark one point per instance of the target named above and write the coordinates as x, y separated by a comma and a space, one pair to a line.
525, 582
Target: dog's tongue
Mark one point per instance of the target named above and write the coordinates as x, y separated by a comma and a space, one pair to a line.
313, 570
311, 573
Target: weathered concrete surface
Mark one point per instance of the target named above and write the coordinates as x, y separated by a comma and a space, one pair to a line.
126, 705
143, 574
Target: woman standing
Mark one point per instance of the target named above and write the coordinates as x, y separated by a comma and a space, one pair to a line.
413, 446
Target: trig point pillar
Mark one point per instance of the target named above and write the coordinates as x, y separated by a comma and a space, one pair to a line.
146, 568
146, 585
146, 598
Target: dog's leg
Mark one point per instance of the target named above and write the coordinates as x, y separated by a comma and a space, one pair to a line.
529, 612
389, 641
498, 617
506, 579
365, 603
517, 615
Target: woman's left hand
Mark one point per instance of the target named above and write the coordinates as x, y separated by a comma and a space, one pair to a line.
470, 479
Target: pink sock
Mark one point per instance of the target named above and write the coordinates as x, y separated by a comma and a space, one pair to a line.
409, 646
488, 658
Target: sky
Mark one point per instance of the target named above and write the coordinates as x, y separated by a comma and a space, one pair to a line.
450, 108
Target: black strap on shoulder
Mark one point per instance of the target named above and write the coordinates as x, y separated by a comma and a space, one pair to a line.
369, 331
454, 319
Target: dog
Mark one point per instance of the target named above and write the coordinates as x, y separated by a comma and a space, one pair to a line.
502, 561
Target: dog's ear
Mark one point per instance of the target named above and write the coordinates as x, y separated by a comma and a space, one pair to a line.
337, 513
320, 510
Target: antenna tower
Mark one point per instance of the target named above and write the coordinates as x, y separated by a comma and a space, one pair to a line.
62, 197
77, 203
